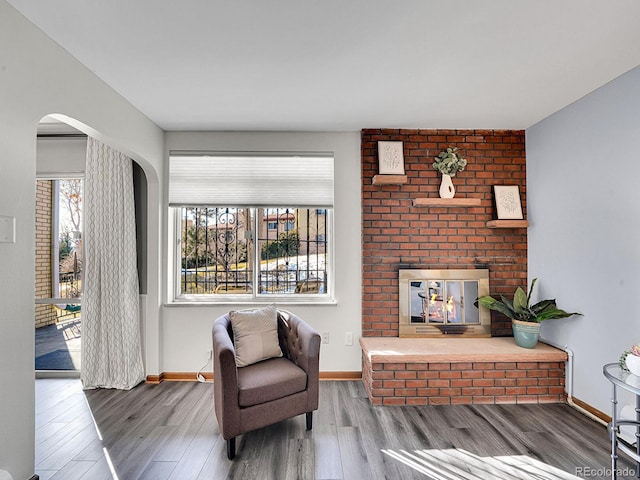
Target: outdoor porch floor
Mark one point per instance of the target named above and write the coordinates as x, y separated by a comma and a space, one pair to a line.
57, 347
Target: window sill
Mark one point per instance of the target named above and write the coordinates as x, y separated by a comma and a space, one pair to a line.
185, 302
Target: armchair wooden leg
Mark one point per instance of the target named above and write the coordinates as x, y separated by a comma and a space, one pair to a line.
231, 448
309, 420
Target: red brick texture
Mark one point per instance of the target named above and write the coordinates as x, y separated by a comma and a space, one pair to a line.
397, 235
463, 383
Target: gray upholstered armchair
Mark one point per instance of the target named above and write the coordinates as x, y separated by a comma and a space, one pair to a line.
269, 391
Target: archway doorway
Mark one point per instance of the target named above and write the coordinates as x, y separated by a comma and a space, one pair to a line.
59, 254
60, 167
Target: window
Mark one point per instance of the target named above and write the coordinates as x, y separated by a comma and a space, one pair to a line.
59, 237
218, 253
248, 250
275, 223
59, 267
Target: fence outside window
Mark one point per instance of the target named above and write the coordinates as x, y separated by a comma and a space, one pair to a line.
221, 249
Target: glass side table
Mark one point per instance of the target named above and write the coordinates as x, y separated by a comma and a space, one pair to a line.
627, 381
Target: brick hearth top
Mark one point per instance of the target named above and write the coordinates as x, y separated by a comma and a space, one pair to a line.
455, 350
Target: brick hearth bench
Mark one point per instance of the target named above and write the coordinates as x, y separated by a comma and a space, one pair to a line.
439, 371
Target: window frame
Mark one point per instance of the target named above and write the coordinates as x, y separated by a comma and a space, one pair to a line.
57, 177
176, 297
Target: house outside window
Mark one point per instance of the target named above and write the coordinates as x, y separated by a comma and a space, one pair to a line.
252, 252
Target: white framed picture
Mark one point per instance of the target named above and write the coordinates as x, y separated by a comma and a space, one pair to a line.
508, 204
390, 158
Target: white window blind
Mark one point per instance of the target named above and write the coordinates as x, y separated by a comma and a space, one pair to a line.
251, 180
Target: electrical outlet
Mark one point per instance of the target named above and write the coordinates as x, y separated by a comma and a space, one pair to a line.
348, 338
7, 229
325, 337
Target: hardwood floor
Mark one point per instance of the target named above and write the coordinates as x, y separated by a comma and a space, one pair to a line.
169, 431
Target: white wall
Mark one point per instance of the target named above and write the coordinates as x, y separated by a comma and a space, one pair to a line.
38, 78
583, 202
186, 331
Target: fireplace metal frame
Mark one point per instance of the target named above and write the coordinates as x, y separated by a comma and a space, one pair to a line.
407, 328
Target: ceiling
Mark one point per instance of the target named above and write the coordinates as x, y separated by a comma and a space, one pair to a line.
331, 65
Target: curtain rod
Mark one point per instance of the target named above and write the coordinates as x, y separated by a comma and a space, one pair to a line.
62, 135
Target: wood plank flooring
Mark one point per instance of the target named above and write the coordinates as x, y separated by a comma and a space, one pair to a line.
169, 431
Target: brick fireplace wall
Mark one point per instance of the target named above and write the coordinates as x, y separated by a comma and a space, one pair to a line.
397, 235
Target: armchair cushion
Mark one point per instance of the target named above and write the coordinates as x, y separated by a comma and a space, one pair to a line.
269, 380
255, 335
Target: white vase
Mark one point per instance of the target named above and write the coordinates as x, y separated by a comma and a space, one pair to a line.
447, 190
633, 364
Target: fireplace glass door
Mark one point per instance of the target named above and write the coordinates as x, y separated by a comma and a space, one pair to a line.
437, 302
444, 302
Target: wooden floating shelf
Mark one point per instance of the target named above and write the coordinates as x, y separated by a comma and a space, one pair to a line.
507, 224
389, 180
447, 202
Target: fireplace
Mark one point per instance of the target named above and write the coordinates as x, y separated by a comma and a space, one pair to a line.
434, 303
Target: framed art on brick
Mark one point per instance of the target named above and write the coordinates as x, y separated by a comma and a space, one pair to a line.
508, 205
390, 158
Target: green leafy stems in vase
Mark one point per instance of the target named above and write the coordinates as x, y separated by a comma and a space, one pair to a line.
449, 162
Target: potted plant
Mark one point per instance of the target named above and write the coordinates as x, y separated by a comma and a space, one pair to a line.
525, 318
630, 360
448, 163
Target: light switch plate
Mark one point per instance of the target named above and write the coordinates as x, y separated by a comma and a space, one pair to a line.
7, 229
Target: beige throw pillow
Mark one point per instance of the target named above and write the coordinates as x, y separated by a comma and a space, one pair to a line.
255, 335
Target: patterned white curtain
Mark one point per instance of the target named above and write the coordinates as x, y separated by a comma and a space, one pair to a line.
111, 346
